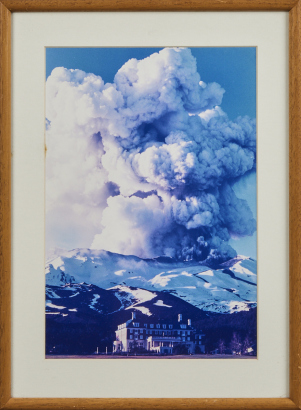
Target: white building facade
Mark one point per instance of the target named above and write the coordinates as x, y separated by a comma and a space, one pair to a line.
160, 337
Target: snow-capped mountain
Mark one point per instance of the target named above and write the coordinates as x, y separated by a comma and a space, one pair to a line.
83, 297
135, 283
77, 302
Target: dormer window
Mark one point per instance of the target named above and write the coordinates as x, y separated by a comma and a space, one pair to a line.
145, 325
136, 324
183, 326
151, 326
170, 326
158, 326
164, 326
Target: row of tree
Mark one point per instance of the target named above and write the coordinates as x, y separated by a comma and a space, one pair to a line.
237, 346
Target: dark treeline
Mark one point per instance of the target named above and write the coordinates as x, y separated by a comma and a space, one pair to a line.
223, 328
224, 333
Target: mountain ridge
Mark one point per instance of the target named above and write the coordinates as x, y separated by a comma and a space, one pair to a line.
229, 288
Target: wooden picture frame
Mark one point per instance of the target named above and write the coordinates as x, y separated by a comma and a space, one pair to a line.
294, 8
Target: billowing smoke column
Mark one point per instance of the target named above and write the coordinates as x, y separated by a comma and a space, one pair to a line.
149, 160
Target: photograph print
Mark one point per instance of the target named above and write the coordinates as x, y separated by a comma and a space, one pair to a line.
151, 206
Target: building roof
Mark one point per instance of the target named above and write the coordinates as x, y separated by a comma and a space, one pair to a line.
142, 320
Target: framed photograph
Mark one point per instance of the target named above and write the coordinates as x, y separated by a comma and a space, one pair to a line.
154, 241
159, 155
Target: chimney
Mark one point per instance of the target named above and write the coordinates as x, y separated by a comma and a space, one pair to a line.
179, 317
133, 315
189, 322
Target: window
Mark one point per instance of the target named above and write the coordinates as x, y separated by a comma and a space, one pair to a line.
183, 338
158, 326
188, 338
183, 326
131, 330
179, 332
136, 324
188, 333
131, 336
170, 326
164, 326
136, 337
183, 332
151, 326
160, 332
141, 330
156, 332
136, 331
141, 336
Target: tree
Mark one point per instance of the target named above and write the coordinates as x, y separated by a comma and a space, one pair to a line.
221, 346
135, 348
235, 344
246, 345
197, 349
180, 349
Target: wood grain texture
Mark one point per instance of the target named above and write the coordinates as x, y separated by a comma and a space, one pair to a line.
150, 404
5, 206
146, 5
295, 204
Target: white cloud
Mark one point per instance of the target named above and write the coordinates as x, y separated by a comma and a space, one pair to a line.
143, 165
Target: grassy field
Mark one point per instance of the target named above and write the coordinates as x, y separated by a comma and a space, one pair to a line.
109, 356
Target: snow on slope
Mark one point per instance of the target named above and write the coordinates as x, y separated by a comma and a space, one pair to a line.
80, 297
132, 296
233, 287
229, 288
104, 269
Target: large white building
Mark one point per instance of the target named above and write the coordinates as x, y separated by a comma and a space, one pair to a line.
159, 337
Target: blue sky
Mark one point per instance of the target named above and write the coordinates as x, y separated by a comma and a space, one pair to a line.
234, 68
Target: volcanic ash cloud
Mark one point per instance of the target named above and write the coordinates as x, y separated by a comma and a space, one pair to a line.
148, 162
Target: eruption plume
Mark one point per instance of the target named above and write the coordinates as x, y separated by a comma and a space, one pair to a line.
148, 162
